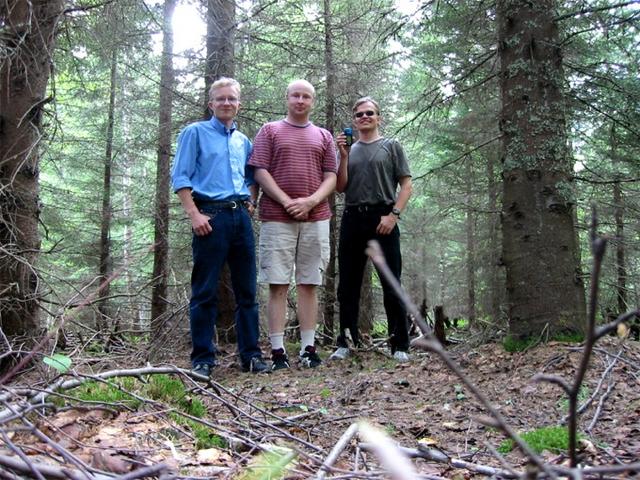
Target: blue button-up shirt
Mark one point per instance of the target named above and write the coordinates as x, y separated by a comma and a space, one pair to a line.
211, 160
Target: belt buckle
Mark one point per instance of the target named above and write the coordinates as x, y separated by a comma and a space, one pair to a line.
233, 205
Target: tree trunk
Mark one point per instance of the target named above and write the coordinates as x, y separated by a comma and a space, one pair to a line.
105, 266
221, 29
367, 312
540, 252
161, 234
471, 243
495, 281
618, 205
329, 298
27, 40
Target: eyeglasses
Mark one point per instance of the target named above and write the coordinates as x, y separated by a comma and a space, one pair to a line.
223, 100
368, 113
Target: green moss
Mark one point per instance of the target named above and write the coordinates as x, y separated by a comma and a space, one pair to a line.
554, 439
569, 337
161, 388
514, 344
111, 392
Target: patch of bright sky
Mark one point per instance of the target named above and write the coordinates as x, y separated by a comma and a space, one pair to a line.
189, 29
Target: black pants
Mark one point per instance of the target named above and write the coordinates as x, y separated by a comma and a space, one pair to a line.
358, 227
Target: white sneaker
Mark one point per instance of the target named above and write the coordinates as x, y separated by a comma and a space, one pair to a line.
401, 357
340, 354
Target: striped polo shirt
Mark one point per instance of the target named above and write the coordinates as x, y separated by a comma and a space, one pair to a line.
297, 159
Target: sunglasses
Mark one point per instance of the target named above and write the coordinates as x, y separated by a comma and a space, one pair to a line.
368, 113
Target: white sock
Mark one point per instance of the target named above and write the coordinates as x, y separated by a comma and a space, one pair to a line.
307, 337
277, 341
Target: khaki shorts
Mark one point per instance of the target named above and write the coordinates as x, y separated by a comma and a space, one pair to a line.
288, 246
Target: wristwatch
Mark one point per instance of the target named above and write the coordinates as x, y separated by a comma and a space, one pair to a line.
396, 211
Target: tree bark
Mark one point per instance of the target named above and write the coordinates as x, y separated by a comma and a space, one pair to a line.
161, 233
495, 279
221, 29
471, 243
540, 251
220, 62
105, 266
367, 313
27, 41
329, 297
618, 206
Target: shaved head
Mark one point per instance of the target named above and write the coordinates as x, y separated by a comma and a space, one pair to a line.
301, 85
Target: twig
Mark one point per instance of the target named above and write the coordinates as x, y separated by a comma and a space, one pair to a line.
143, 472
596, 415
337, 450
388, 453
438, 456
430, 342
46, 470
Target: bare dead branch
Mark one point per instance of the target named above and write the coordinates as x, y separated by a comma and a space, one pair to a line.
375, 253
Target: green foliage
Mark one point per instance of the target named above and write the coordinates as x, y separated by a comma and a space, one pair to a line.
583, 395
161, 388
513, 344
108, 392
459, 391
60, 362
205, 437
269, 465
553, 439
325, 393
379, 330
569, 337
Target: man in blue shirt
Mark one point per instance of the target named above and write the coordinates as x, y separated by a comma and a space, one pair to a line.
218, 193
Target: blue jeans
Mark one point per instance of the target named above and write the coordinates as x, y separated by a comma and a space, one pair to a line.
357, 228
230, 241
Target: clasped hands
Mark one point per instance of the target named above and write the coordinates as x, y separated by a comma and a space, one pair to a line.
299, 208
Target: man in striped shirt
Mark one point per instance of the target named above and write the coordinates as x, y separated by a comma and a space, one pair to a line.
295, 164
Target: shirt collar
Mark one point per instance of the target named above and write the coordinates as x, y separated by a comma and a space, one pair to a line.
220, 127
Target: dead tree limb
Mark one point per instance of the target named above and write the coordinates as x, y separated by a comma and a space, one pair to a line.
429, 342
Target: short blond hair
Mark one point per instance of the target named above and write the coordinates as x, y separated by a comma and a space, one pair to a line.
224, 82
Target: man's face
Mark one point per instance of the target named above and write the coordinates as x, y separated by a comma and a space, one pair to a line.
299, 100
366, 117
225, 104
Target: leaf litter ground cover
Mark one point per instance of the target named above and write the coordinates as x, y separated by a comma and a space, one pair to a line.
306, 411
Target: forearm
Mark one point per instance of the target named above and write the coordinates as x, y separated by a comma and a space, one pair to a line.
270, 187
184, 194
343, 173
404, 194
325, 189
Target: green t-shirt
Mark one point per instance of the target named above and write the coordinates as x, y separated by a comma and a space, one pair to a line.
374, 170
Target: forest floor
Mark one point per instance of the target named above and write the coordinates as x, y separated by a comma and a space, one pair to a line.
417, 405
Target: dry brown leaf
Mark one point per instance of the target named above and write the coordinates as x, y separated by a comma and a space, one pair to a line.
110, 462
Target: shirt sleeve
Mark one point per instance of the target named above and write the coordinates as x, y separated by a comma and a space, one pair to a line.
401, 164
185, 160
261, 153
330, 163
249, 169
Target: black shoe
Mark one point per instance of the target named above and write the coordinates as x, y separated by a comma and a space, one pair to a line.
203, 369
256, 365
279, 359
310, 358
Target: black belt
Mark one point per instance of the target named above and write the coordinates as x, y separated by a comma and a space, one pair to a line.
377, 208
233, 204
